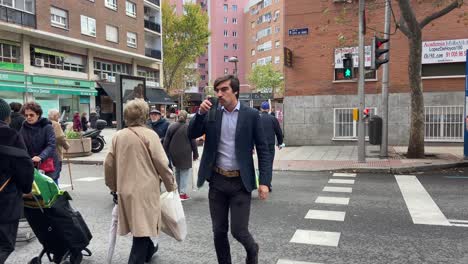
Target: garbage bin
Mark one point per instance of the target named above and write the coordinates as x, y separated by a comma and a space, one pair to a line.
375, 130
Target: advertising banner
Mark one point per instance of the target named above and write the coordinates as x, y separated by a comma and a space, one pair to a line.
444, 51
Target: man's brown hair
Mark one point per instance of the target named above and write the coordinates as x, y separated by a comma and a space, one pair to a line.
234, 83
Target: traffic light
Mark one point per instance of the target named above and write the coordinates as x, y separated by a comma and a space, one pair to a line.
348, 66
377, 52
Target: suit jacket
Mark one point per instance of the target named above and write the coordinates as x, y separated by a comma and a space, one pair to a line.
249, 133
272, 128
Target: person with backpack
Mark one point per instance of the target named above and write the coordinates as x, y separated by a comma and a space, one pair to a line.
16, 178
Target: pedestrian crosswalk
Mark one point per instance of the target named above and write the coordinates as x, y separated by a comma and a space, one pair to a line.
320, 237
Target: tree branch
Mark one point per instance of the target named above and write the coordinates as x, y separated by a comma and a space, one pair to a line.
409, 18
446, 10
403, 27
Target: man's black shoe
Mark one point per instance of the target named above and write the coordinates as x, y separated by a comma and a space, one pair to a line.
151, 253
253, 259
270, 189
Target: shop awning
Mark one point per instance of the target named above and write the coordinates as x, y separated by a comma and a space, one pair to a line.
50, 52
158, 96
109, 88
47, 90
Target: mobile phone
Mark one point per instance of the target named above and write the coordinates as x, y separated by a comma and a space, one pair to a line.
214, 107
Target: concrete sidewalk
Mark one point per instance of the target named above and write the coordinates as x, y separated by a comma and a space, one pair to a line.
337, 158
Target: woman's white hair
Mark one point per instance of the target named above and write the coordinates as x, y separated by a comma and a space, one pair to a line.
136, 112
53, 112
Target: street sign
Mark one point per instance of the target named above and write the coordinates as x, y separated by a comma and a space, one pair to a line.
288, 57
298, 31
465, 144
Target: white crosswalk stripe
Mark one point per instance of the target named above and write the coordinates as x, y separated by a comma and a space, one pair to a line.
64, 186
319, 238
332, 200
338, 174
326, 215
90, 179
287, 261
338, 189
341, 181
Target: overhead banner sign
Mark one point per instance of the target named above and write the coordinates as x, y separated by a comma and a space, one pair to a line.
444, 51
340, 54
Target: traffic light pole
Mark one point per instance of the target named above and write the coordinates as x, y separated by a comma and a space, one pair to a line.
361, 93
385, 78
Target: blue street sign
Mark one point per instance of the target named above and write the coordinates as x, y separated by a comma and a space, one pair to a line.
465, 144
298, 31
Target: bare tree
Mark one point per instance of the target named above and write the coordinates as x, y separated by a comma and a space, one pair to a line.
412, 29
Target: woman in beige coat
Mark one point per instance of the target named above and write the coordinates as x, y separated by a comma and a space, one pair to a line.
134, 168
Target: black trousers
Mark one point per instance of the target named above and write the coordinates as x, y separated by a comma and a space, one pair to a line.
229, 194
142, 247
271, 148
7, 240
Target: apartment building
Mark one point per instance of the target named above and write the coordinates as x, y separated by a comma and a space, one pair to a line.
65, 54
263, 42
319, 100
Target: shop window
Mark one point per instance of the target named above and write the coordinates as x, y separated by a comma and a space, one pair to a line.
443, 70
9, 53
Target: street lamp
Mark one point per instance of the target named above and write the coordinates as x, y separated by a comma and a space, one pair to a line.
235, 60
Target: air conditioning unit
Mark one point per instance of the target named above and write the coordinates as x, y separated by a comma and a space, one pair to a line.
104, 76
39, 62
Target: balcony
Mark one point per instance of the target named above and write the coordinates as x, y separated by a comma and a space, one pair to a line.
153, 26
18, 17
154, 2
156, 54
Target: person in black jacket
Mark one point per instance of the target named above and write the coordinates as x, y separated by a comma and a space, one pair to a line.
38, 135
158, 124
16, 177
271, 127
17, 119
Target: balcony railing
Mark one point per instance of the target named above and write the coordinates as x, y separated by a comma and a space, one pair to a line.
152, 26
156, 2
18, 17
156, 54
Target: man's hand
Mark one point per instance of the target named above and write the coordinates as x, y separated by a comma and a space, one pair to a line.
36, 159
205, 106
263, 192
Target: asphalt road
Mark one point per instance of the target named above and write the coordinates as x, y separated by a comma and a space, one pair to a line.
378, 226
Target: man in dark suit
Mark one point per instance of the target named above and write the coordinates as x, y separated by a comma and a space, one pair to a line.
271, 127
232, 130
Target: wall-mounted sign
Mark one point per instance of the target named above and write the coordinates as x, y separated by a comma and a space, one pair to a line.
288, 57
444, 51
298, 31
340, 53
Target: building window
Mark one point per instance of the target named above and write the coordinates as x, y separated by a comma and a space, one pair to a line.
277, 14
202, 65
264, 61
264, 47
277, 59
131, 39
58, 17
226, 46
226, 70
110, 69
234, 46
225, 20
130, 9
234, 33
264, 33
112, 4
252, 65
151, 76
252, 52
344, 127
23, 5
58, 60
277, 29
443, 69
252, 24
203, 77
234, 8
234, 20
266, 3
226, 33
112, 34
443, 123
88, 26
225, 7
9, 53
277, 44
226, 59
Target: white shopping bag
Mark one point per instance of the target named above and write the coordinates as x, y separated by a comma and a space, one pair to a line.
172, 216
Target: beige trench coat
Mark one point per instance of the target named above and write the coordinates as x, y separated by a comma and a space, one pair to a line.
136, 177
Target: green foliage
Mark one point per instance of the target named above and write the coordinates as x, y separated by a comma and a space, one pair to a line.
185, 38
266, 79
72, 134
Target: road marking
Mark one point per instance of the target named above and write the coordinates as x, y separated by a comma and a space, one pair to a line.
326, 215
287, 261
90, 179
338, 174
422, 208
459, 225
332, 200
456, 177
458, 221
63, 186
338, 189
319, 238
341, 181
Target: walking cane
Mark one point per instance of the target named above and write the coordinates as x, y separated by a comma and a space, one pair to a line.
69, 171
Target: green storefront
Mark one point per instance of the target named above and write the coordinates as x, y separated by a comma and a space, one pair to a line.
69, 95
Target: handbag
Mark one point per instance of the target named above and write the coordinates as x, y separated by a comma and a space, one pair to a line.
47, 165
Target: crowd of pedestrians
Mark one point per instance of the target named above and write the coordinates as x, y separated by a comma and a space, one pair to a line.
145, 154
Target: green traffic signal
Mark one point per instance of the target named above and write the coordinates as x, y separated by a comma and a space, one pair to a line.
348, 73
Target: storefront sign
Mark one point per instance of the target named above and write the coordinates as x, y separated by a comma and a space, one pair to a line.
298, 31
61, 82
340, 53
11, 77
11, 66
288, 57
444, 51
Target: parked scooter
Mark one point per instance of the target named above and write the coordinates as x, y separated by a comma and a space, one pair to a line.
97, 141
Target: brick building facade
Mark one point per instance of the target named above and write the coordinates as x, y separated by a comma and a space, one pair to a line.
318, 101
